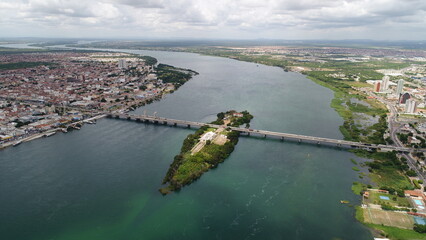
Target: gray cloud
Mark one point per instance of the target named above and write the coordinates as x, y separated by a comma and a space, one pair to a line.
207, 18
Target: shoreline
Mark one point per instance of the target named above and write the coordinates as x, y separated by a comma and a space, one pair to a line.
340, 95
46, 133
129, 106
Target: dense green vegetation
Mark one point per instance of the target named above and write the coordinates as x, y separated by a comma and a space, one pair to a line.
149, 60
188, 166
387, 170
419, 228
388, 207
235, 121
4, 50
348, 111
397, 233
18, 65
358, 188
170, 74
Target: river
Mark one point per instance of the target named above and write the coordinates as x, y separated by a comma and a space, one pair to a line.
102, 182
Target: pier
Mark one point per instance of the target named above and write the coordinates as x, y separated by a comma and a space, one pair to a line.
264, 133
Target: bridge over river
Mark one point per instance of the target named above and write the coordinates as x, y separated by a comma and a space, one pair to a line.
265, 133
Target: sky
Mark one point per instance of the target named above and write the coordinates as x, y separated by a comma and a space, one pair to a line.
215, 19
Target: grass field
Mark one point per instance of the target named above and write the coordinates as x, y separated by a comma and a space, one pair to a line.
388, 176
397, 233
388, 218
393, 199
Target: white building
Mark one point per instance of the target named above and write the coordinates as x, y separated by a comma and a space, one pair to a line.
208, 136
399, 87
410, 106
385, 83
391, 72
122, 63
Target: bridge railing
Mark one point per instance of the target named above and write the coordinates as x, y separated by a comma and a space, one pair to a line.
266, 133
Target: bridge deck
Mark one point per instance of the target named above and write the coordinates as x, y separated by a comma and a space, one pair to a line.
297, 137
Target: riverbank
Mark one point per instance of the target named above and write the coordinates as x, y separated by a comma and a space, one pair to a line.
109, 174
135, 82
365, 120
51, 132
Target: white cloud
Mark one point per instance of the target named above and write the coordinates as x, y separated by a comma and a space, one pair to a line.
215, 18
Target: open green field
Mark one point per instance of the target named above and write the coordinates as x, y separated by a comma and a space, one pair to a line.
394, 200
389, 176
395, 233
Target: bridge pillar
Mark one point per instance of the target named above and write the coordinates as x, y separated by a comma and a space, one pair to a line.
155, 122
282, 138
248, 134
318, 143
264, 136
300, 141
175, 124
189, 126
165, 122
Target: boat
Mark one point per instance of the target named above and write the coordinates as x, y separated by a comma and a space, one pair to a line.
344, 201
64, 130
17, 143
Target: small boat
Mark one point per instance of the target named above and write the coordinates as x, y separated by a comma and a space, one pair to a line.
344, 201
64, 130
17, 143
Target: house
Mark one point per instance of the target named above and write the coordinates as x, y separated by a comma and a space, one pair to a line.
366, 194
415, 193
413, 140
237, 114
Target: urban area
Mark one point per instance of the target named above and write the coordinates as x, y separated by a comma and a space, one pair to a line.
43, 93
380, 94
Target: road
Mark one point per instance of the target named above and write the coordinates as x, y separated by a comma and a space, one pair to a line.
394, 126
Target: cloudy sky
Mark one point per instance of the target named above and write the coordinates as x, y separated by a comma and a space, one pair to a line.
224, 19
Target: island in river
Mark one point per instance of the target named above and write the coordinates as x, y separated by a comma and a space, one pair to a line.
205, 149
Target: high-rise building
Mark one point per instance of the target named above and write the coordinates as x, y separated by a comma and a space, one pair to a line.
404, 97
399, 87
385, 83
377, 86
410, 106
122, 63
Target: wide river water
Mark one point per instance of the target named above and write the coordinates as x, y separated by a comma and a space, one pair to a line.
101, 183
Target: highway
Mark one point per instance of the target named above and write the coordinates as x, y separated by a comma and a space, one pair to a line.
265, 133
394, 126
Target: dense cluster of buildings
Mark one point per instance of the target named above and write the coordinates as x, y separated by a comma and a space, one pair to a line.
359, 53
65, 87
408, 95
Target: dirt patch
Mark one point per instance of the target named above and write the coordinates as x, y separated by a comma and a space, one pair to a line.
388, 218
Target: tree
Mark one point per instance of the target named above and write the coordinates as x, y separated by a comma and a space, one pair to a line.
419, 228
221, 115
411, 173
